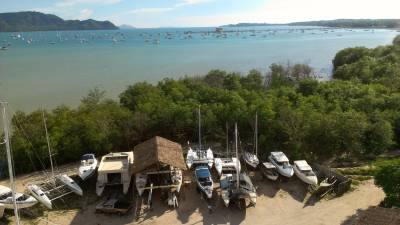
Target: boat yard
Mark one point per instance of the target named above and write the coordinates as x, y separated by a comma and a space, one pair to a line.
286, 203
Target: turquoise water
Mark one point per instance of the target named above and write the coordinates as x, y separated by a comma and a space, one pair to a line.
61, 67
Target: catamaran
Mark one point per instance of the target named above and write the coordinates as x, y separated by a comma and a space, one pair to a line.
305, 172
249, 157
88, 166
199, 155
56, 184
227, 165
281, 162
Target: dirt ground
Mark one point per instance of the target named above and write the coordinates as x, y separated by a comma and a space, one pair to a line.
277, 203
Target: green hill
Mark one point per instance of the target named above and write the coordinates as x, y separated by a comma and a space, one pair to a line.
36, 21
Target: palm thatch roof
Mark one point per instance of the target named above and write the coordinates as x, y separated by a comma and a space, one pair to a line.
156, 151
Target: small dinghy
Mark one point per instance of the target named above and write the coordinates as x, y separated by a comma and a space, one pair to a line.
281, 162
141, 182
304, 172
230, 164
40, 195
204, 180
269, 171
70, 184
88, 166
22, 200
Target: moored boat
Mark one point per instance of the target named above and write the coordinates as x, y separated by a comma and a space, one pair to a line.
281, 162
304, 172
204, 180
22, 200
269, 171
88, 166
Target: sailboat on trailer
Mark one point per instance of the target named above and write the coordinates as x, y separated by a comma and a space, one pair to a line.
199, 155
56, 182
250, 158
237, 186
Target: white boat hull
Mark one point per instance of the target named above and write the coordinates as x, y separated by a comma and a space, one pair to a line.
26, 202
223, 163
251, 159
87, 170
312, 180
70, 183
286, 172
40, 195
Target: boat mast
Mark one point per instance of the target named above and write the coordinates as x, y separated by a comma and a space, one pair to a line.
48, 145
199, 128
10, 166
256, 134
237, 157
227, 139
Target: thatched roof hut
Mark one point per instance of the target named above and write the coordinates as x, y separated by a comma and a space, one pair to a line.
156, 152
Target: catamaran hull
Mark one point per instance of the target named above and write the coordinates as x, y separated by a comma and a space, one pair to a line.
29, 202
41, 196
74, 187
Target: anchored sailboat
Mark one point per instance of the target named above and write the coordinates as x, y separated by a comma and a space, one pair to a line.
250, 158
237, 186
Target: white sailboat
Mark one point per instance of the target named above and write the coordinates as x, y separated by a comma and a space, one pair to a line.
10, 165
237, 186
227, 165
40, 195
88, 166
305, 172
22, 200
199, 155
70, 183
250, 158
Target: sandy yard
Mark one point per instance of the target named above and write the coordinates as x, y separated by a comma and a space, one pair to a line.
278, 203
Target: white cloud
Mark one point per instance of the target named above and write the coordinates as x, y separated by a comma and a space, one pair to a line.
150, 10
84, 14
68, 3
166, 9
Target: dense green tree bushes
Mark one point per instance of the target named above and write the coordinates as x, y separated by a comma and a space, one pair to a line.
356, 114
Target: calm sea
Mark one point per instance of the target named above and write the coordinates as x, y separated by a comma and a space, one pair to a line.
52, 68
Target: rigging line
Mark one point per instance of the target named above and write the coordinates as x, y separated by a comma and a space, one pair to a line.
20, 128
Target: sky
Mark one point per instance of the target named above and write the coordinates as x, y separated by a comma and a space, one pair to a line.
197, 13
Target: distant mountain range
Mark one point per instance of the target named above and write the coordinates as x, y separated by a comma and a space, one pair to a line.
36, 21
343, 23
